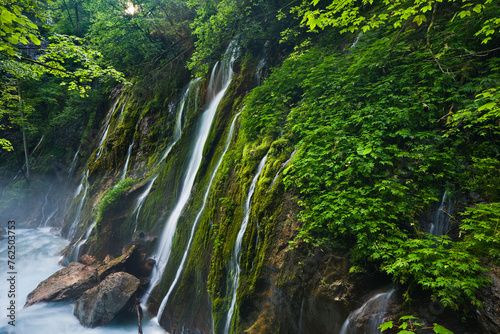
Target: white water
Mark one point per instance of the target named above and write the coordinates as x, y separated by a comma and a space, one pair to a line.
177, 134
36, 259
376, 308
85, 185
45, 205
283, 165
262, 63
198, 216
73, 164
75, 252
105, 134
440, 224
234, 267
223, 77
129, 152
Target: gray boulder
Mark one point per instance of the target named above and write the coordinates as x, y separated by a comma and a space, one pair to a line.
99, 305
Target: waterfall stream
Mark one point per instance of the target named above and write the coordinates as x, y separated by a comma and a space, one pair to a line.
72, 167
108, 124
234, 267
367, 318
441, 221
198, 216
177, 134
46, 201
85, 185
219, 82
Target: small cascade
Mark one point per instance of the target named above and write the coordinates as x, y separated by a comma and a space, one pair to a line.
441, 222
234, 267
219, 82
42, 220
367, 318
75, 252
72, 167
198, 216
356, 40
52, 214
84, 185
105, 134
129, 152
283, 165
177, 134
262, 63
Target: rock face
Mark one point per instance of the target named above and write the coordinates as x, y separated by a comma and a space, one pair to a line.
99, 305
72, 281
489, 315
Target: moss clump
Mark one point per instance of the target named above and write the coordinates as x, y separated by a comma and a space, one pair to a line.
110, 199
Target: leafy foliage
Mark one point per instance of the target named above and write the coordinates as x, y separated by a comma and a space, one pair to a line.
112, 196
410, 325
382, 127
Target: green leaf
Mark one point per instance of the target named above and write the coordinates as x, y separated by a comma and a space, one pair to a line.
438, 329
385, 326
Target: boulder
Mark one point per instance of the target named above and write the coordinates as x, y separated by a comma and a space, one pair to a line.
99, 305
72, 281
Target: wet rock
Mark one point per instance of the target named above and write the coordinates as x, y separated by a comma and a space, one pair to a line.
87, 259
72, 281
489, 315
66, 284
99, 305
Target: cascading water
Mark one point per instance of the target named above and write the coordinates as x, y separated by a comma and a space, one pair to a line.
367, 318
85, 185
198, 216
129, 152
177, 134
42, 220
36, 260
75, 252
262, 63
441, 222
105, 134
219, 82
283, 165
234, 267
72, 167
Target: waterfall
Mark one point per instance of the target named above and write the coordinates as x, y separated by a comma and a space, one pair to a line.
219, 82
45, 204
73, 164
177, 134
75, 252
440, 224
262, 63
367, 318
127, 160
105, 134
198, 216
234, 267
85, 185
283, 165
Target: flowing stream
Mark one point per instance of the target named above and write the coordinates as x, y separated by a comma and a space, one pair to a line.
85, 185
367, 318
198, 216
441, 222
36, 259
177, 134
105, 134
234, 267
219, 82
